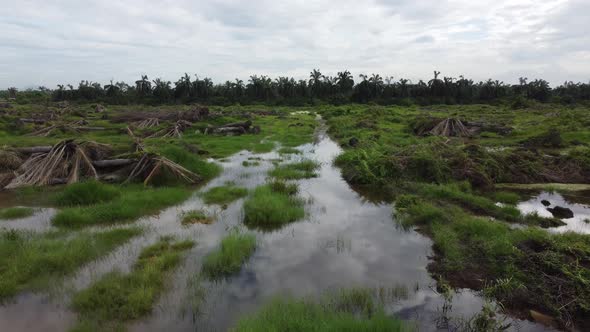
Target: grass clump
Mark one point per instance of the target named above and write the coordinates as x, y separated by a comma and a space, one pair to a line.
224, 194
86, 193
235, 249
268, 208
301, 315
506, 197
290, 189
196, 217
134, 202
289, 150
121, 297
206, 170
31, 261
301, 170
16, 212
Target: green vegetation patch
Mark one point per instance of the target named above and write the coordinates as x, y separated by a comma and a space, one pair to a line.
289, 150
270, 207
235, 249
196, 217
206, 170
86, 193
301, 170
134, 202
31, 261
224, 194
122, 297
16, 212
519, 267
302, 315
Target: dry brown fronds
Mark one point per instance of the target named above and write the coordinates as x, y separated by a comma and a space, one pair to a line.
150, 164
65, 162
175, 130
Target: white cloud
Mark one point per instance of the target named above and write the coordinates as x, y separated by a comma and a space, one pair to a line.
51, 42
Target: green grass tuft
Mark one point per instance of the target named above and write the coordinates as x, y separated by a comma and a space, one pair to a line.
16, 213
507, 197
270, 209
300, 315
86, 193
121, 297
289, 150
301, 170
224, 194
135, 202
206, 170
235, 249
31, 261
195, 217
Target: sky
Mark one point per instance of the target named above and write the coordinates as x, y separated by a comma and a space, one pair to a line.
54, 42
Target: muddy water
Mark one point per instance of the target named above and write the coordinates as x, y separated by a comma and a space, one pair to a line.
345, 241
578, 202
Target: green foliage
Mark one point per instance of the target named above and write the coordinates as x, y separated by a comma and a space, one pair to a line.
16, 213
134, 202
31, 261
224, 194
266, 208
278, 186
300, 315
235, 249
300, 170
121, 297
506, 197
289, 150
206, 170
86, 193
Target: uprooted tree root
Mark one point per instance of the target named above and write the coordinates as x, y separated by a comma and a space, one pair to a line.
449, 127
66, 162
175, 130
150, 164
147, 123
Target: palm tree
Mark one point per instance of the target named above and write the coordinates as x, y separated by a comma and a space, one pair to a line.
111, 89
345, 81
315, 82
376, 83
143, 86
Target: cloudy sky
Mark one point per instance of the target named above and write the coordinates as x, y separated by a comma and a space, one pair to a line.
46, 42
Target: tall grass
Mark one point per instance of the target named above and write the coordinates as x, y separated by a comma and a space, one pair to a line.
16, 213
268, 208
235, 249
192, 162
300, 315
86, 193
118, 296
30, 260
134, 202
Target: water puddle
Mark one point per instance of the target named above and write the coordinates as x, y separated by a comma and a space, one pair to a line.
578, 203
345, 241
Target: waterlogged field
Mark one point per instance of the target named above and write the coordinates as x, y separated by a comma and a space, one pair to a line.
326, 218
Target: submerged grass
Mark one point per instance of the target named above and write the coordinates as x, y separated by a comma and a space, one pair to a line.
304, 315
272, 206
224, 194
32, 261
16, 213
121, 297
289, 150
195, 217
134, 202
235, 249
300, 170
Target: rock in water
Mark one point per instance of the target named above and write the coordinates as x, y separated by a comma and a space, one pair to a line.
561, 212
545, 202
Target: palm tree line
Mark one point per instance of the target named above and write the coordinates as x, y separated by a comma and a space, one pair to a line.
338, 89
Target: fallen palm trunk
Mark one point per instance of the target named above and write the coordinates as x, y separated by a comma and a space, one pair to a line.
113, 163
38, 121
66, 159
238, 128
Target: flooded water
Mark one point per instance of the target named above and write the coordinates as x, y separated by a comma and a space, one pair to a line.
345, 241
577, 202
